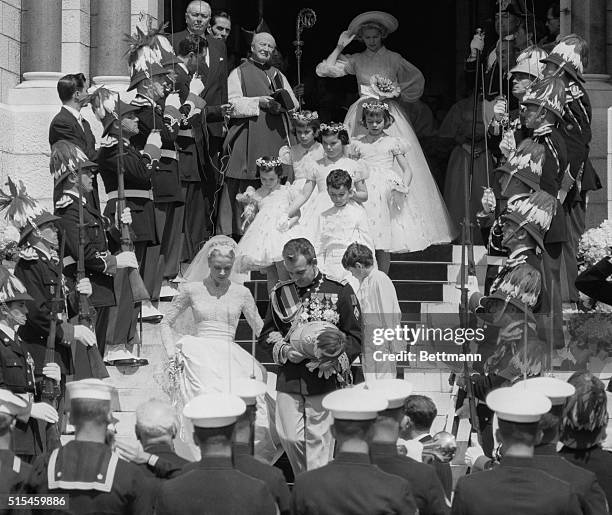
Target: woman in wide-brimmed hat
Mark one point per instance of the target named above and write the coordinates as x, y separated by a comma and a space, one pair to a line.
385, 75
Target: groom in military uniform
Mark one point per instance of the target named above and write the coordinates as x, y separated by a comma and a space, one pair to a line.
302, 422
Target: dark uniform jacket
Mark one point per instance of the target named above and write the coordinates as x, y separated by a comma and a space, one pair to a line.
426, 487
214, 77
592, 498
94, 477
443, 471
137, 184
13, 475
17, 376
295, 377
553, 170
351, 484
515, 486
41, 276
165, 178
214, 487
100, 265
597, 461
168, 465
594, 281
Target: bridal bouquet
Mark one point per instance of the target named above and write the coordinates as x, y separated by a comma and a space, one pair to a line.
384, 87
397, 195
250, 209
595, 245
323, 344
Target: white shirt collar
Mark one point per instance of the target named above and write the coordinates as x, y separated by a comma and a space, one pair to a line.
74, 112
45, 252
9, 331
516, 252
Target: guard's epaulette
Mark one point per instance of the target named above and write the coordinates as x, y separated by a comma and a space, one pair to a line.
280, 284
64, 201
337, 280
28, 254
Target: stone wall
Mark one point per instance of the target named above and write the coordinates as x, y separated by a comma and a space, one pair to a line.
10, 42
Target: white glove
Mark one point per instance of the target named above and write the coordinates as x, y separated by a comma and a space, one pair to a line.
472, 454
44, 411
126, 216
52, 371
488, 201
84, 287
154, 139
508, 144
196, 86
127, 260
477, 43
85, 335
173, 100
345, 38
472, 285
500, 109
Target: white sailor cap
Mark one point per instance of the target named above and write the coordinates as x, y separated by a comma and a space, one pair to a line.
11, 404
248, 390
516, 405
553, 388
355, 404
394, 390
214, 410
94, 389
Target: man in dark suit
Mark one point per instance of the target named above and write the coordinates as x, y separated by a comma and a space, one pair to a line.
214, 485
351, 483
426, 487
69, 125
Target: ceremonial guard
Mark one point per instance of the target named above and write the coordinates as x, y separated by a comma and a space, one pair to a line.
86, 469
17, 370
351, 483
13, 470
426, 487
214, 484
516, 486
158, 124
72, 172
309, 302
592, 498
39, 269
567, 61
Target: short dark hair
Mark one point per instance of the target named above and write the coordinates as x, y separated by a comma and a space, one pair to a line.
219, 14
186, 47
341, 134
297, 247
387, 116
550, 424
338, 178
313, 123
69, 84
214, 435
352, 428
89, 410
515, 432
421, 410
278, 169
357, 253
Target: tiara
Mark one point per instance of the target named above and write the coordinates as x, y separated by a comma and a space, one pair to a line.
375, 106
334, 127
268, 163
224, 247
305, 116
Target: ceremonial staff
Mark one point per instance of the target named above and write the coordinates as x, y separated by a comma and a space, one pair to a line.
306, 19
51, 391
92, 361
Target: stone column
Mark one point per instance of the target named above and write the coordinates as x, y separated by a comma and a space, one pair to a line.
110, 23
589, 20
42, 36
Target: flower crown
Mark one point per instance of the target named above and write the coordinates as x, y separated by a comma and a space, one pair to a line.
375, 106
262, 162
305, 116
334, 127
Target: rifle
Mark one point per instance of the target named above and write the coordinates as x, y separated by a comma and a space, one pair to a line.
139, 290
51, 391
94, 365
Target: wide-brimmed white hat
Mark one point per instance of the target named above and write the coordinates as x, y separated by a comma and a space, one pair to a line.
388, 21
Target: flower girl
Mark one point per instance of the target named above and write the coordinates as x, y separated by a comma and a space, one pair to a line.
267, 225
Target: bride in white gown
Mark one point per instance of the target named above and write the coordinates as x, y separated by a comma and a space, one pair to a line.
211, 359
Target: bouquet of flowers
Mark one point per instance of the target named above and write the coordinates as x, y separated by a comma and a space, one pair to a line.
170, 378
250, 209
384, 87
9, 238
323, 344
595, 244
397, 195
